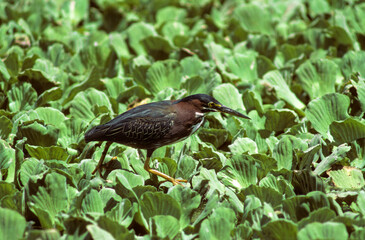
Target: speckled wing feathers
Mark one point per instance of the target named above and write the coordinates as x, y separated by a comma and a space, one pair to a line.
142, 129
139, 127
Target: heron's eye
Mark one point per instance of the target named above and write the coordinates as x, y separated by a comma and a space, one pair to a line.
211, 104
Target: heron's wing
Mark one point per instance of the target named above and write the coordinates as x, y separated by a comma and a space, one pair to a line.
141, 124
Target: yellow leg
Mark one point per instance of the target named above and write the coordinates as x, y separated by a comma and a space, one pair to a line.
98, 167
158, 173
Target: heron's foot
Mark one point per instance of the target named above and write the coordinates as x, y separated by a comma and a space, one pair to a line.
176, 181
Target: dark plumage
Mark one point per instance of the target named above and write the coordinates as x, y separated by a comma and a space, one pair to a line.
157, 124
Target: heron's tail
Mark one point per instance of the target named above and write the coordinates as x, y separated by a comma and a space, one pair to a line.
96, 133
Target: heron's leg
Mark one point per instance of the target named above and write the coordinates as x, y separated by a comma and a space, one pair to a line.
158, 173
98, 167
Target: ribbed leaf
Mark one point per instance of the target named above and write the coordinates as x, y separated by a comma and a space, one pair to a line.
48, 197
21, 96
229, 96
334, 157
348, 178
153, 204
347, 131
318, 77
165, 226
247, 14
276, 80
280, 119
328, 230
163, 74
322, 111
12, 224
280, 229
7, 154
240, 172
80, 105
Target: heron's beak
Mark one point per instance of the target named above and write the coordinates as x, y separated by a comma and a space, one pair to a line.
230, 111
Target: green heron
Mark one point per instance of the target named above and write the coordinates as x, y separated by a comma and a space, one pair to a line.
157, 124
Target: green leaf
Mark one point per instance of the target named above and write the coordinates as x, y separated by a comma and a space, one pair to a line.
43, 75
217, 137
208, 208
49, 234
137, 32
76, 11
4, 71
6, 126
98, 233
360, 202
119, 45
280, 119
352, 63
117, 230
252, 101
47, 153
306, 181
219, 225
244, 66
276, 80
295, 53
157, 46
360, 89
216, 228
165, 226
12, 224
38, 134
48, 115
95, 54
279, 184
92, 203
123, 212
299, 207
174, 31
347, 131
80, 105
163, 74
169, 14
153, 204
318, 77
188, 199
243, 145
202, 78
318, 8
12, 64
322, 111
328, 230
280, 229
240, 172
246, 14
347, 178
321, 215
72, 132
336, 156
21, 96
48, 197
229, 96
214, 183
186, 167
48, 96
265, 194
309, 156
284, 149
92, 80
358, 234
133, 179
